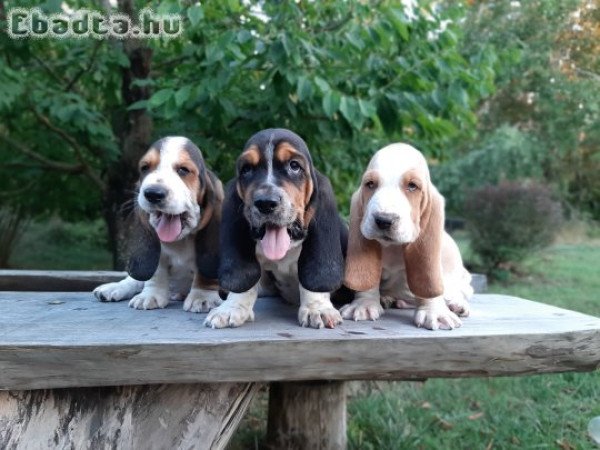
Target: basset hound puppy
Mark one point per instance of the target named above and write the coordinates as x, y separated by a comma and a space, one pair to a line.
398, 251
280, 234
174, 243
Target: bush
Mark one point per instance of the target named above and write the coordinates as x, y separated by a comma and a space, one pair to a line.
508, 221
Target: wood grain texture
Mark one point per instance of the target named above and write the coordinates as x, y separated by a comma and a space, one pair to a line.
50, 340
307, 415
198, 416
56, 280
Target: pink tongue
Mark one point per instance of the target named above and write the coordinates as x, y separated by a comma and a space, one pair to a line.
168, 228
275, 243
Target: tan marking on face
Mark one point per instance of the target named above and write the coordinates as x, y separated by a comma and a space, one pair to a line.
191, 180
285, 151
251, 155
151, 159
415, 197
299, 195
367, 192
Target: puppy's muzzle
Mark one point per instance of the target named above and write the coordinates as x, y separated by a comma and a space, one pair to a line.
155, 194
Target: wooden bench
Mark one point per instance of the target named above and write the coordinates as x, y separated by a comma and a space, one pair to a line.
76, 372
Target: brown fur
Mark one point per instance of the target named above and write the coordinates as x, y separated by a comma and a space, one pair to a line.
363, 261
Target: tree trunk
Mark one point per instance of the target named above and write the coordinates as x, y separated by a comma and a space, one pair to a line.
134, 130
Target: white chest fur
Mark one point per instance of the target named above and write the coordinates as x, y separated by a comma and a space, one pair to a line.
282, 274
179, 259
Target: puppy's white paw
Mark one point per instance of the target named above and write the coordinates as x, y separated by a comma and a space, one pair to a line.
316, 317
458, 305
435, 315
362, 309
228, 315
116, 292
150, 299
201, 300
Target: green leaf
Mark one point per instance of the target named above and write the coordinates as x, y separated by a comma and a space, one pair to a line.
160, 97
182, 95
351, 111
195, 14
331, 102
323, 85
367, 107
304, 88
140, 104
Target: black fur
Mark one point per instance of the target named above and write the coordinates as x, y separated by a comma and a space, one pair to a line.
321, 262
207, 239
144, 251
239, 270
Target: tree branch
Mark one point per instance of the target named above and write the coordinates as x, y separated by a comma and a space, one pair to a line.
79, 74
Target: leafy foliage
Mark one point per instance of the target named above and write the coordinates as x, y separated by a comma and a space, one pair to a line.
508, 221
347, 76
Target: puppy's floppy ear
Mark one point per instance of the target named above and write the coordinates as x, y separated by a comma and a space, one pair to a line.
207, 237
363, 262
143, 249
423, 257
321, 262
238, 270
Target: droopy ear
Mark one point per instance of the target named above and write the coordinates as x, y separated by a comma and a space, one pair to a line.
321, 262
238, 270
423, 257
144, 249
363, 262
207, 237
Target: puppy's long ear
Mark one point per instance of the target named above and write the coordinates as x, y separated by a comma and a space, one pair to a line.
143, 249
321, 262
423, 257
238, 270
207, 237
363, 262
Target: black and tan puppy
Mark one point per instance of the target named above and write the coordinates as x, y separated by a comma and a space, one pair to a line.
175, 237
280, 233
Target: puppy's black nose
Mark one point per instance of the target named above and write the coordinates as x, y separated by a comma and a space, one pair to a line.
155, 194
384, 222
266, 204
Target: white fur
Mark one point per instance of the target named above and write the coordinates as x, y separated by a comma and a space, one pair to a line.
179, 198
391, 163
316, 310
235, 311
177, 265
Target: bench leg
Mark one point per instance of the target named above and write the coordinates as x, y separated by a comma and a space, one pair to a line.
198, 416
307, 415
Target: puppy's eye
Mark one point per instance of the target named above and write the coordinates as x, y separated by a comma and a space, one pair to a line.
144, 168
412, 186
370, 185
246, 169
183, 171
295, 166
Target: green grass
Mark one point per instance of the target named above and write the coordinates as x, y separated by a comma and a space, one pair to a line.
530, 412
58, 245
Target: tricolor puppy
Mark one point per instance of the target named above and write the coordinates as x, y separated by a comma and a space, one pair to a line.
280, 234
174, 247
398, 250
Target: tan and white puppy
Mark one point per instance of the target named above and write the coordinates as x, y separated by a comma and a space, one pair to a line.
174, 245
398, 251
281, 233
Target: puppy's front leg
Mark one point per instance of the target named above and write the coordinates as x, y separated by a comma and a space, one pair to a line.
316, 310
203, 296
121, 290
365, 306
432, 313
155, 293
235, 311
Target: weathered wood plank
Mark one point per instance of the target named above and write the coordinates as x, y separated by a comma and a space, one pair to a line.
68, 339
56, 280
198, 416
307, 415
